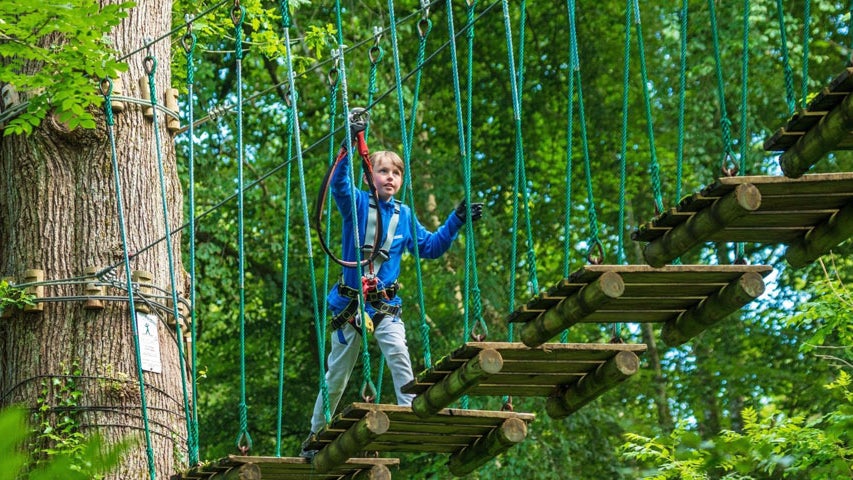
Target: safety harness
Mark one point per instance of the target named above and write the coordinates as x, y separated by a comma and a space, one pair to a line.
373, 295
374, 254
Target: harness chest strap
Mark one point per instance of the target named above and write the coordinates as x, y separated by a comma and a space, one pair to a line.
390, 232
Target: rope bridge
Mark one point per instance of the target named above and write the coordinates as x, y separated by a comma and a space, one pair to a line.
809, 213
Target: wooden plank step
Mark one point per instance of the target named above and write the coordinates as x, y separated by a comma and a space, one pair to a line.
757, 209
290, 468
549, 370
471, 437
692, 298
826, 124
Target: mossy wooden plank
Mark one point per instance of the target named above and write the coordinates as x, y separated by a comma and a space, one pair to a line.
782, 219
612, 372
817, 201
487, 363
670, 274
816, 183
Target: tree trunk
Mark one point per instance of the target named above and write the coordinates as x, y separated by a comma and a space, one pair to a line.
59, 214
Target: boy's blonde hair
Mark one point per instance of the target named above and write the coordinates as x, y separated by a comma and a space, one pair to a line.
386, 156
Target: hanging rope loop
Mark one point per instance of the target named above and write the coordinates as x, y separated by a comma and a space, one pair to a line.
595, 253
368, 385
332, 77
507, 406
106, 86
150, 65
479, 331
237, 13
424, 27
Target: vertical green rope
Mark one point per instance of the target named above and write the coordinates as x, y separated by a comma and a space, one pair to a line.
106, 89
682, 95
284, 278
407, 137
466, 161
623, 151
786, 61
654, 167
725, 123
151, 68
744, 145
471, 282
567, 236
594, 242
807, 22
569, 153
520, 181
244, 440
189, 43
367, 375
294, 122
320, 327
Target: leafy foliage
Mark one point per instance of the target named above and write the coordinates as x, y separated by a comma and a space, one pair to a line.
91, 460
54, 55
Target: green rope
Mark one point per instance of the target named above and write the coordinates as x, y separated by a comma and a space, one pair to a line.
623, 152
807, 22
189, 43
654, 167
374, 59
320, 327
466, 166
744, 146
786, 61
407, 137
106, 90
471, 282
286, 22
294, 122
850, 26
682, 95
151, 67
567, 235
367, 375
725, 123
594, 242
284, 278
244, 440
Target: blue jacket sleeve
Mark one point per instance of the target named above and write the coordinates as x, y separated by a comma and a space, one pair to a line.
434, 244
342, 186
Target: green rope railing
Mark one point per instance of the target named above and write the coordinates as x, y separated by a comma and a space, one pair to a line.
284, 281
623, 149
594, 243
725, 123
654, 167
106, 90
244, 439
807, 37
366, 373
188, 41
472, 297
786, 60
303, 192
407, 137
569, 181
682, 95
151, 68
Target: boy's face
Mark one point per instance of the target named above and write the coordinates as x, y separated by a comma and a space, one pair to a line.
387, 178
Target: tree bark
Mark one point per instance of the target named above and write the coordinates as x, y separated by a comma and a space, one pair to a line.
59, 214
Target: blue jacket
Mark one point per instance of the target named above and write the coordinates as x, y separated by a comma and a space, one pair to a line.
430, 244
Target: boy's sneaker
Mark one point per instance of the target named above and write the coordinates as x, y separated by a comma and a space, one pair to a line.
307, 452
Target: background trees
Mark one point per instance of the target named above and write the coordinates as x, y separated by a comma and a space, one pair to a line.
704, 388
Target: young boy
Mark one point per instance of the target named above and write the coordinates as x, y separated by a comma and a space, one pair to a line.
382, 304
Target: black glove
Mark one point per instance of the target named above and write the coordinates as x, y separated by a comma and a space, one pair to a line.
476, 211
358, 120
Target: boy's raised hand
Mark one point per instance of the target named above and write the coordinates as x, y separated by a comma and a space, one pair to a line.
476, 211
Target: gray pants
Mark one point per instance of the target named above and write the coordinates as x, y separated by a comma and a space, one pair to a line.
390, 334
